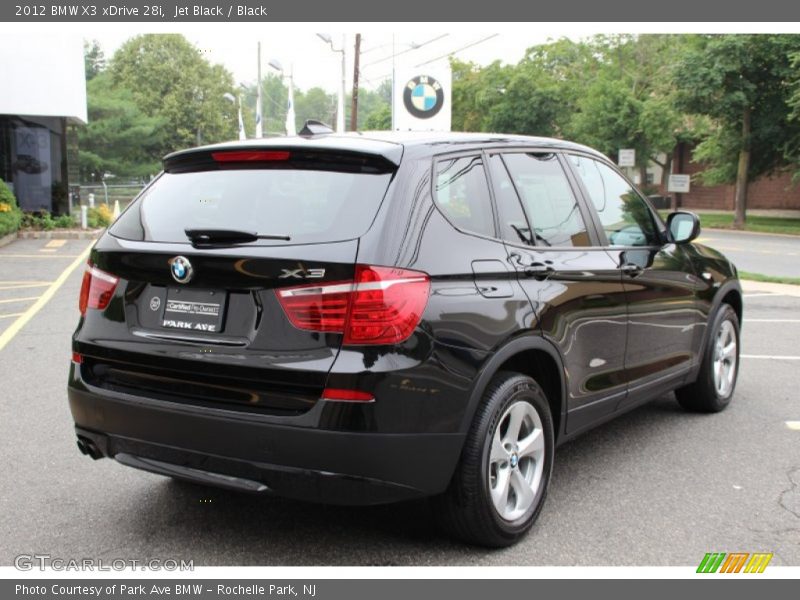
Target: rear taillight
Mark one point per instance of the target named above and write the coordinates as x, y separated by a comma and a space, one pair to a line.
96, 289
383, 305
342, 395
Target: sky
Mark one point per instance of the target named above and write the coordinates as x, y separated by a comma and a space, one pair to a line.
315, 64
296, 45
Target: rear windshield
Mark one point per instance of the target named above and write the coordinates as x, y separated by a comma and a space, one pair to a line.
307, 205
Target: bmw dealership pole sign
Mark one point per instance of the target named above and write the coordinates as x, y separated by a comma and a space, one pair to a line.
422, 99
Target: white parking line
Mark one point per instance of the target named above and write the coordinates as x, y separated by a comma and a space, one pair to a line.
11, 315
769, 357
22, 286
28, 299
23, 318
793, 425
765, 294
746, 320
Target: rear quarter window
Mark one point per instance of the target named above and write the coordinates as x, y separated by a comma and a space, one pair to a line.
307, 205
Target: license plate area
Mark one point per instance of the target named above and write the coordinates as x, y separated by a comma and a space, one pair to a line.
194, 310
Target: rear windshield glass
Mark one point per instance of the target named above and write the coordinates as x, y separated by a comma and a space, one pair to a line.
309, 206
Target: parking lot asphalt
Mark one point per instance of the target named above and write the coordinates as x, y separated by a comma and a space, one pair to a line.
768, 254
655, 487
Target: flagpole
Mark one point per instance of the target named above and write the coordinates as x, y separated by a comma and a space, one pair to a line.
290, 116
259, 124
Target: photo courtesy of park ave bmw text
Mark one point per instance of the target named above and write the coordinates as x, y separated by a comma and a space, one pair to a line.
297, 299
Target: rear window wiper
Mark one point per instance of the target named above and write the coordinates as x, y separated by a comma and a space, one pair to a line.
206, 238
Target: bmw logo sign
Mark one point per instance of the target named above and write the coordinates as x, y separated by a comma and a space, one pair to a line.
181, 269
423, 96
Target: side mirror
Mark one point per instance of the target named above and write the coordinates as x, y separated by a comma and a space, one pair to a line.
683, 227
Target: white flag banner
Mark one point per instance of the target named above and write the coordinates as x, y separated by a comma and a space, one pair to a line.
259, 124
242, 132
290, 116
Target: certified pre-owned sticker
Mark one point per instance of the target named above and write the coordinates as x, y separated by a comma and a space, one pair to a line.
193, 308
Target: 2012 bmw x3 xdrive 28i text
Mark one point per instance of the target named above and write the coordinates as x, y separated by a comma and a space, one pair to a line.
366, 318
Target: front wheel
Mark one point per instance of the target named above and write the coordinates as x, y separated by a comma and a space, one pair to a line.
501, 481
713, 389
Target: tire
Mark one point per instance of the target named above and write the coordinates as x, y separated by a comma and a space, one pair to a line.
468, 509
712, 390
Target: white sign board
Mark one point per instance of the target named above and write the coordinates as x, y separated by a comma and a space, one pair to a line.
679, 184
627, 157
422, 99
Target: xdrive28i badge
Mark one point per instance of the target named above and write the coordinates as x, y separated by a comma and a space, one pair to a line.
423, 96
181, 269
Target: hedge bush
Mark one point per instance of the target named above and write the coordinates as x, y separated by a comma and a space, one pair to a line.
10, 214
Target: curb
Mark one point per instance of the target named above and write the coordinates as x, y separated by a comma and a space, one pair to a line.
743, 232
92, 234
7, 239
779, 289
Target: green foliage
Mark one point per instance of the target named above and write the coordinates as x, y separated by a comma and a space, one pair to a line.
40, 220
10, 214
6, 195
380, 119
120, 138
168, 78
317, 104
65, 222
609, 92
99, 216
94, 60
723, 76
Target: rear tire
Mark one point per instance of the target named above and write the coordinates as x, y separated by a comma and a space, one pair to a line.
713, 389
501, 481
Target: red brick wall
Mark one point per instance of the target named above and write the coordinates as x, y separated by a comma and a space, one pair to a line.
775, 191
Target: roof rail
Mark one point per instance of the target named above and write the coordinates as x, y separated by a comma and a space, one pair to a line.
313, 127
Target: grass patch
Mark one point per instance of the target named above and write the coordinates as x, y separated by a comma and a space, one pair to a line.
754, 223
769, 278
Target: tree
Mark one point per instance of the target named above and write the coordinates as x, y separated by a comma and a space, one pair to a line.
316, 104
168, 78
630, 100
379, 119
94, 60
742, 83
119, 137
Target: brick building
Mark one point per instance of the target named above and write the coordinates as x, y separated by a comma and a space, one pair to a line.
776, 191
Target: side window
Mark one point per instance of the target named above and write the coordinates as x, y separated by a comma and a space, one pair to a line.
625, 217
514, 226
462, 194
548, 200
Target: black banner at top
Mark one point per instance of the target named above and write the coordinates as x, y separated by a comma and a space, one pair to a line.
187, 11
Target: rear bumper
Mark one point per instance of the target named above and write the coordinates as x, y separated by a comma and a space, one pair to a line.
302, 462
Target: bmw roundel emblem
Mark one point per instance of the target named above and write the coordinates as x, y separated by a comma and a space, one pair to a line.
181, 269
423, 96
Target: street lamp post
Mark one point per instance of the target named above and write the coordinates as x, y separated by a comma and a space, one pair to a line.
290, 117
230, 97
340, 104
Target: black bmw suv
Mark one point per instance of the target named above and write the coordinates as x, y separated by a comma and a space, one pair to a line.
367, 318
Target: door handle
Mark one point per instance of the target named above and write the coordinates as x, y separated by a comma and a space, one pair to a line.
631, 269
538, 270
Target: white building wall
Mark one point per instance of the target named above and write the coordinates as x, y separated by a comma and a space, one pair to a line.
42, 75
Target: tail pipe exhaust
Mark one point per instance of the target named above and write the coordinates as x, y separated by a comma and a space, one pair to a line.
89, 448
